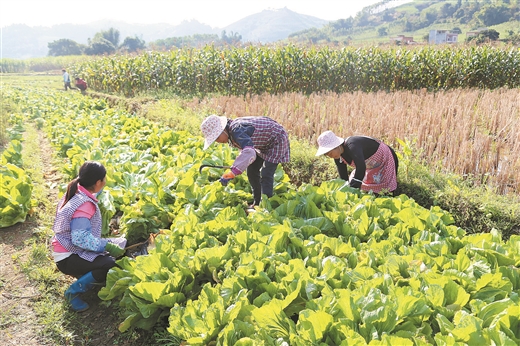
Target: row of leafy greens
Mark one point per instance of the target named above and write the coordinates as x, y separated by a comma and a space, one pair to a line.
314, 265
15, 184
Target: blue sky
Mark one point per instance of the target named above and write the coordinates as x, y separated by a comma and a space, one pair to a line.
216, 13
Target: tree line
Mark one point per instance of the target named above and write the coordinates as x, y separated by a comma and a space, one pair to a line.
107, 42
104, 42
197, 41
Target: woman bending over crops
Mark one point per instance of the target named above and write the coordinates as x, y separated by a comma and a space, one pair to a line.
78, 248
81, 85
263, 144
375, 163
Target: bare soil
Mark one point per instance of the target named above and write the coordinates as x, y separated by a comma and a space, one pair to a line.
20, 323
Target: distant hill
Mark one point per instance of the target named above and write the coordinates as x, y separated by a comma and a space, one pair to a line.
273, 25
21, 41
383, 21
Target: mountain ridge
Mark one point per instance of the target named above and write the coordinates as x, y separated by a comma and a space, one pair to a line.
273, 24
20, 41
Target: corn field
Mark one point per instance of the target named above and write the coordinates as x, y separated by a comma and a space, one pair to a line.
44, 64
12, 66
257, 70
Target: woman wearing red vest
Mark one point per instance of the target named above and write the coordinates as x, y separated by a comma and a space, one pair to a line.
81, 85
78, 248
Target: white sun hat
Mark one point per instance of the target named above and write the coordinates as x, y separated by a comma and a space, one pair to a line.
328, 141
211, 128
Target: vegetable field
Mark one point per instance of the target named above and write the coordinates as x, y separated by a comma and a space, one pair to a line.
257, 70
314, 265
16, 186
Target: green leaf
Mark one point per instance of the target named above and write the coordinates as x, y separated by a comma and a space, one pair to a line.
494, 310
272, 317
150, 291
456, 297
391, 340
467, 329
131, 320
435, 295
411, 306
312, 325
347, 306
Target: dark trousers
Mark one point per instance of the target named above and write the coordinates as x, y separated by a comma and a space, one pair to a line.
82, 89
261, 177
77, 266
396, 160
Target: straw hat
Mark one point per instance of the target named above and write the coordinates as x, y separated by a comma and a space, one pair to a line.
328, 141
211, 128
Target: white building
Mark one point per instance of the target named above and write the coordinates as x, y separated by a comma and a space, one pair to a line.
442, 36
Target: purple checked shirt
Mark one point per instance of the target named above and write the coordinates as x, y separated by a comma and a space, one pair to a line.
260, 136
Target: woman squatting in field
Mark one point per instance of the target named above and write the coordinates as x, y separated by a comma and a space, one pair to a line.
375, 163
78, 248
263, 144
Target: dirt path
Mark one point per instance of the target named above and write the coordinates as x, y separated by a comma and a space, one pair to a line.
18, 322
21, 323
18, 295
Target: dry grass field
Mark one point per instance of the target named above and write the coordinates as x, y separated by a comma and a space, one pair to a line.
469, 132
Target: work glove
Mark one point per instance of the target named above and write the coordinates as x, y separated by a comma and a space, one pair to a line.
114, 250
226, 177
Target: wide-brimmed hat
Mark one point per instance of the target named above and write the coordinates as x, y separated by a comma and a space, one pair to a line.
211, 128
328, 141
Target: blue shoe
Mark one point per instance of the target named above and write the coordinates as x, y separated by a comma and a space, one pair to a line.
78, 305
82, 285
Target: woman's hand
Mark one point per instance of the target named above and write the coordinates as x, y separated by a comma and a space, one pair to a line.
226, 177
114, 250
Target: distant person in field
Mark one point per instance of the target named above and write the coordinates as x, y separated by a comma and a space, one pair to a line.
263, 144
81, 85
78, 248
375, 163
66, 80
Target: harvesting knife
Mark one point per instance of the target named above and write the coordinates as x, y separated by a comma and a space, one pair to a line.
211, 166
